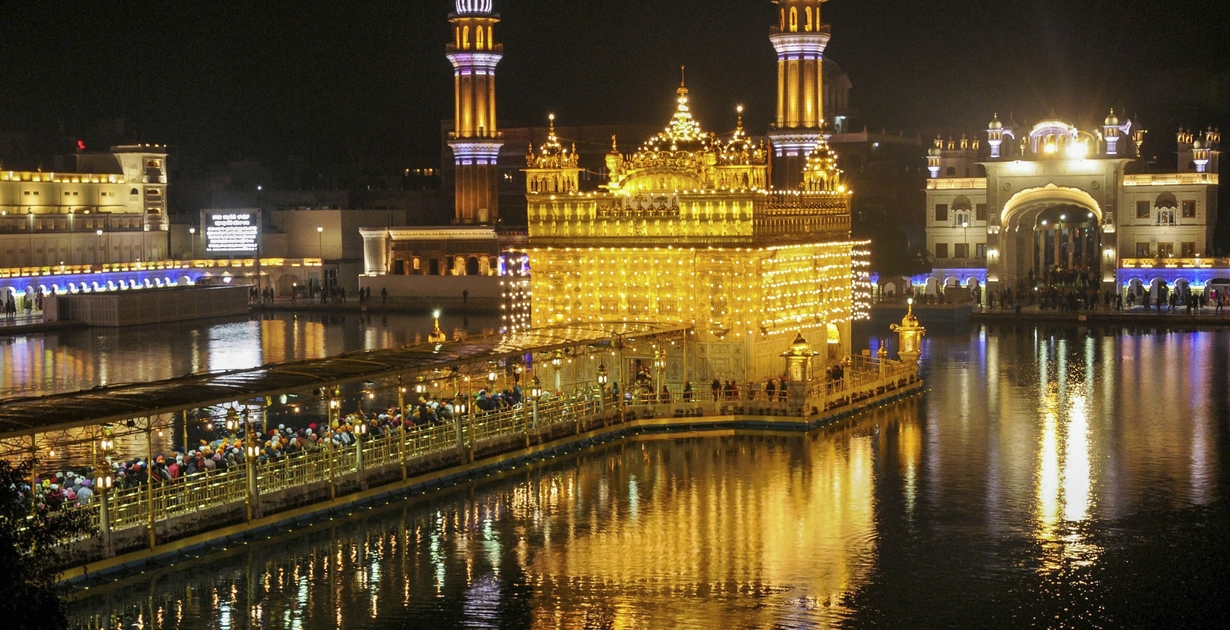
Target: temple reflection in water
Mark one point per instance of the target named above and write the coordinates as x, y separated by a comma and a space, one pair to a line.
662, 530
1013, 484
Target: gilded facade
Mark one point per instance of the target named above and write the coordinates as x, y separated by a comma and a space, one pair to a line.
690, 230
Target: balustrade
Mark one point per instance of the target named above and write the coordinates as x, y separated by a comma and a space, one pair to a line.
130, 507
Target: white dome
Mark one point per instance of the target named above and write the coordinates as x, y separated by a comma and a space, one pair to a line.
473, 6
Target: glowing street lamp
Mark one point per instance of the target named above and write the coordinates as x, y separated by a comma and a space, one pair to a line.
910, 334
437, 335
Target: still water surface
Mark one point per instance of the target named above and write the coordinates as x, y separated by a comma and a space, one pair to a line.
1049, 478
36, 365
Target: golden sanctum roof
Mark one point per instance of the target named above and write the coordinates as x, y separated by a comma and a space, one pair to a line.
683, 133
684, 144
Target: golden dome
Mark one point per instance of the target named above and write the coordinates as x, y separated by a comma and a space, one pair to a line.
552, 154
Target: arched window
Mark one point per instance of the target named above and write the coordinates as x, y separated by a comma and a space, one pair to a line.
783, 27
472, 266
808, 26
951, 172
1166, 200
490, 40
794, 19
478, 37
465, 37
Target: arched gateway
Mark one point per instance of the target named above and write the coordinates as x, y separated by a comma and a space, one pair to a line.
1053, 235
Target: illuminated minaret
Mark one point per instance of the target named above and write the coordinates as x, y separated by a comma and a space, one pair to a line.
476, 139
800, 38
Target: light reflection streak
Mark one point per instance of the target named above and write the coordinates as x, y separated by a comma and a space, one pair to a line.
1076, 463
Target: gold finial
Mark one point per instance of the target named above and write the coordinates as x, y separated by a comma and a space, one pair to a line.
551, 118
739, 109
683, 76
614, 143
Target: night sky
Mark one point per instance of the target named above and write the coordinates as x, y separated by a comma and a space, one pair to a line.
338, 80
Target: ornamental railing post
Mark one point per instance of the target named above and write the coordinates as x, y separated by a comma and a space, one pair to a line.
358, 443
34, 468
251, 457
104, 522
401, 427
333, 404
149, 480
525, 424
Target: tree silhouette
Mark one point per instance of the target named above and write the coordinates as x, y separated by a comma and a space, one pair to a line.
30, 552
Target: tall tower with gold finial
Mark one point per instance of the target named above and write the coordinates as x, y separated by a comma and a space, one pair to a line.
476, 139
800, 38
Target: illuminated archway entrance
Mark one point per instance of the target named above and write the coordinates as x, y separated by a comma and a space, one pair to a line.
1054, 236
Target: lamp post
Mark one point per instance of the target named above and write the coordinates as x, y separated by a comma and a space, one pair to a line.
460, 408
965, 226
910, 333
437, 335
602, 378
192, 237
99, 257
232, 422
659, 363
360, 430
535, 394
334, 414
557, 362
252, 453
320, 242
102, 485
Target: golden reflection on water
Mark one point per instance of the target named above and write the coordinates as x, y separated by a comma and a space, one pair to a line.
655, 533
1064, 474
77, 360
720, 532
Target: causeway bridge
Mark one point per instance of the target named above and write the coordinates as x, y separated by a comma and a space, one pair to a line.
581, 403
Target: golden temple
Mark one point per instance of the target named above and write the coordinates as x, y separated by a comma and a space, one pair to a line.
689, 229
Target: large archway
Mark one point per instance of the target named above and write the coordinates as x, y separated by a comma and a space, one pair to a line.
1052, 236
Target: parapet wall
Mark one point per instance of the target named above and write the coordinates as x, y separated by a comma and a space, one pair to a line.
147, 306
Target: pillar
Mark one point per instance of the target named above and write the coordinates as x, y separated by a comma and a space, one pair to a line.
1058, 246
149, 479
1071, 248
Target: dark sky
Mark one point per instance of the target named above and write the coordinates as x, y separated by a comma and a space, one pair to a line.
221, 80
